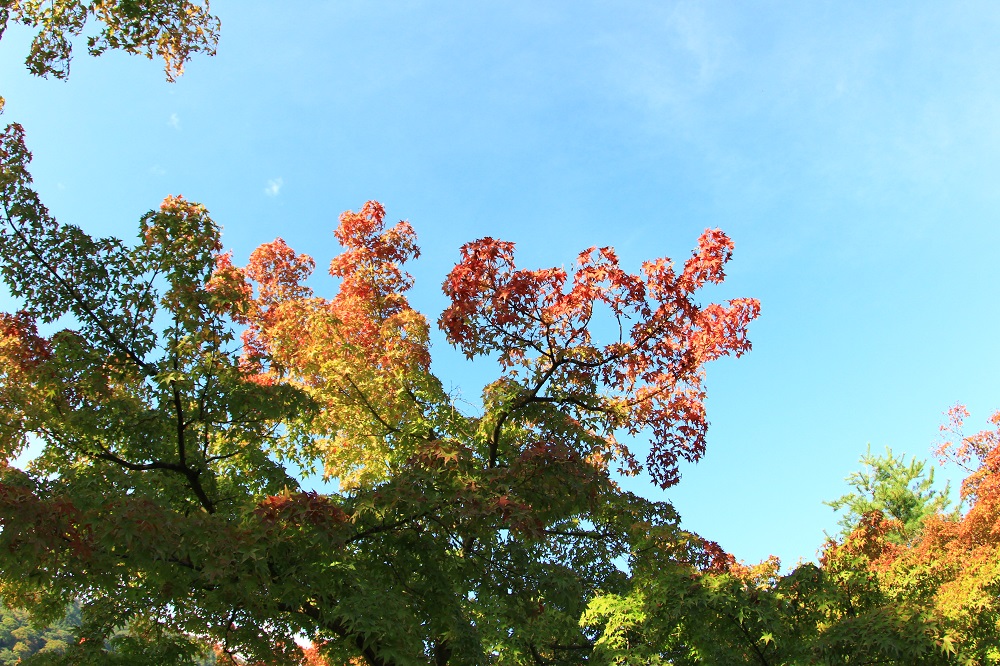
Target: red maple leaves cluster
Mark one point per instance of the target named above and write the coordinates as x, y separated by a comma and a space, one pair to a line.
541, 324
21, 348
288, 325
301, 507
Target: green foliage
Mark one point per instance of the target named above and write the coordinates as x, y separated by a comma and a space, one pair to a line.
677, 612
899, 490
172, 30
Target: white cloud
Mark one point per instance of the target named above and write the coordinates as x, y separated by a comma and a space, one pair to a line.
273, 187
174, 121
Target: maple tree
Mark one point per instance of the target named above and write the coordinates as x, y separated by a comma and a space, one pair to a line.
165, 433
954, 567
172, 30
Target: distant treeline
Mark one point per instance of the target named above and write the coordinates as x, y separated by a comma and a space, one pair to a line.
26, 644
20, 640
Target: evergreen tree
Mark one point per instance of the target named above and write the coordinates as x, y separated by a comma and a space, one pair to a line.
899, 490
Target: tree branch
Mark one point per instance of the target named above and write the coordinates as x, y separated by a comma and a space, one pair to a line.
368, 405
520, 403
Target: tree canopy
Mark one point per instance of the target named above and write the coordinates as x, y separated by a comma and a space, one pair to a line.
163, 432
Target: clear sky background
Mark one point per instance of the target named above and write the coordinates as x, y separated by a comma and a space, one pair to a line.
850, 149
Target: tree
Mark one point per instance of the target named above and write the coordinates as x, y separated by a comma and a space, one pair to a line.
948, 572
23, 641
955, 565
899, 490
172, 30
162, 491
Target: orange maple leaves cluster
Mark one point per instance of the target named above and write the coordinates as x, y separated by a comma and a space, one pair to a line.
977, 534
363, 343
287, 324
301, 507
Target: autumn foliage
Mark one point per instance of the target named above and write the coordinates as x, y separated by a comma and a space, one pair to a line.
932, 599
174, 407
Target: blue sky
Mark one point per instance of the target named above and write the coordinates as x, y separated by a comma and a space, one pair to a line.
851, 150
